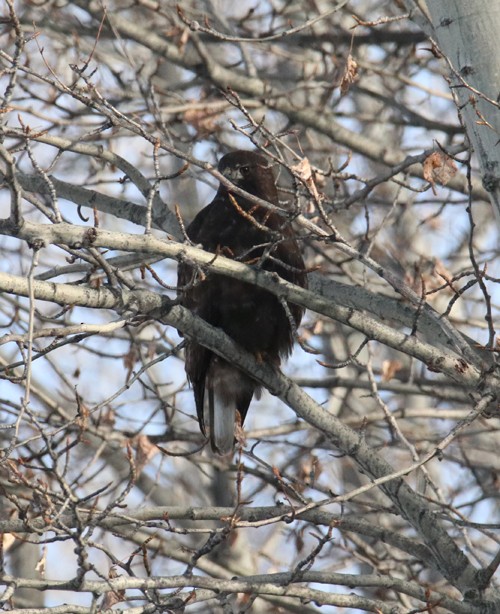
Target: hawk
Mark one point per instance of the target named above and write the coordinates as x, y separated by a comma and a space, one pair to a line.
253, 317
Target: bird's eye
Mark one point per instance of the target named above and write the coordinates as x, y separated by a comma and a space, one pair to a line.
244, 170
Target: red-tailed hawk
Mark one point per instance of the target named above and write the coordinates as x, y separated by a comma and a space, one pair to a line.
251, 316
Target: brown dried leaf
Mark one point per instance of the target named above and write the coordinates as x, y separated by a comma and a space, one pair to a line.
40, 566
145, 451
349, 76
151, 350
439, 168
183, 39
390, 368
203, 120
83, 414
129, 360
304, 171
108, 417
111, 598
310, 470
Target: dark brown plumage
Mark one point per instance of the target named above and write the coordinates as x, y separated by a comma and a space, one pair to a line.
251, 316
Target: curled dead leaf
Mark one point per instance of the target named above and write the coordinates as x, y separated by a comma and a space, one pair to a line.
145, 451
310, 470
129, 360
439, 168
349, 76
40, 566
390, 368
203, 120
111, 598
304, 170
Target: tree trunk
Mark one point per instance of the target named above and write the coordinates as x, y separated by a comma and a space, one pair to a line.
467, 33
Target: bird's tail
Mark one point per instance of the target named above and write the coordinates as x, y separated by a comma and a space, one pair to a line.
229, 389
222, 419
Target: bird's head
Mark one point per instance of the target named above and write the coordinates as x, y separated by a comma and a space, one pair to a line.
251, 172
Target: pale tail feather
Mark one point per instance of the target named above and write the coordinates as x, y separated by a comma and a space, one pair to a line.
228, 390
222, 417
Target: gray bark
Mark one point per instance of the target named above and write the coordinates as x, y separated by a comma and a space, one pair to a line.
467, 33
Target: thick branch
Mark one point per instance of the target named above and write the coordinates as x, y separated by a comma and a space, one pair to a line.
77, 237
467, 33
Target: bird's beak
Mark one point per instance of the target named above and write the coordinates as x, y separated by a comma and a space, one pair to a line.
231, 174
